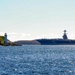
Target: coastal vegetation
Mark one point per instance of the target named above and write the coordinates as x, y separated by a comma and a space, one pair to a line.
1, 40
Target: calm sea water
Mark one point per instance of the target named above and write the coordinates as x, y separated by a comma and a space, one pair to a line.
37, 60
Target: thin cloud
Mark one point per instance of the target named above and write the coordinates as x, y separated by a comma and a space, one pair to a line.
18, 36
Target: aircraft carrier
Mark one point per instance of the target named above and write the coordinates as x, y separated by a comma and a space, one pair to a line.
62, 41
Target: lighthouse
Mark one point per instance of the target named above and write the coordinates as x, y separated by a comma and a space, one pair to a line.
5, 39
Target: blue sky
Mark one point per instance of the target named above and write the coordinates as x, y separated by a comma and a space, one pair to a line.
31, 19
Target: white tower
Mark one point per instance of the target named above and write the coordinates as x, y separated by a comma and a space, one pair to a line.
5, 39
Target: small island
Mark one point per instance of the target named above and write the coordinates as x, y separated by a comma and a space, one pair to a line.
5, 42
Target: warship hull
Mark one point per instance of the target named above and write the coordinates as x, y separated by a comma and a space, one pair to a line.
56, 42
